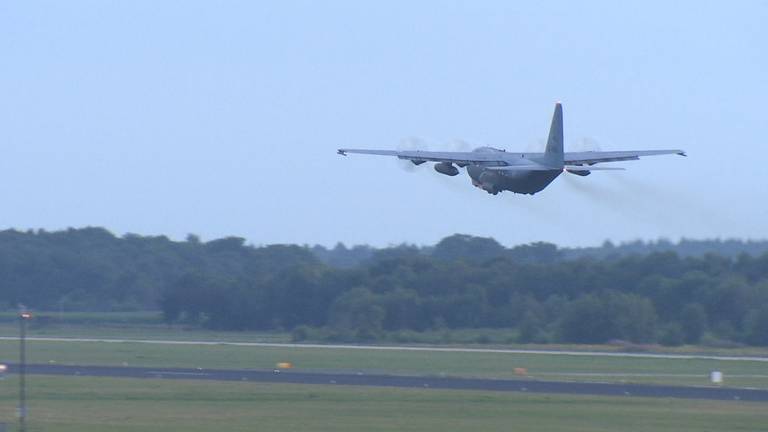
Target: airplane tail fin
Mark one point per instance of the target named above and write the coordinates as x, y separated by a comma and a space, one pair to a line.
554, 150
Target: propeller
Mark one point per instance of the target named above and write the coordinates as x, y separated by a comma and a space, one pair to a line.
416, 143
587, 144
411, 144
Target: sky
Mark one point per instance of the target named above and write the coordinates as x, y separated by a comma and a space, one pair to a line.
223, 118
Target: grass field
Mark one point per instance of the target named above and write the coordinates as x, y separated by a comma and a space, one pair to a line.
98, 404
136, 325
141, 317
59, 404
141, 331
493, 365
147, 325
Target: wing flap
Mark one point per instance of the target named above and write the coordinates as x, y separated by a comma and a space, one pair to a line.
593, 157
432, 156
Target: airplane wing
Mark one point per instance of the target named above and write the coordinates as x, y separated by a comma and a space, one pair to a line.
419, 156
593, 157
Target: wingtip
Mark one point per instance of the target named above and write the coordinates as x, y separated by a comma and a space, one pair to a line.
682, 153
341, 152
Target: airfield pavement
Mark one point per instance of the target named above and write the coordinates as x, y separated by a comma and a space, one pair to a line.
401, 381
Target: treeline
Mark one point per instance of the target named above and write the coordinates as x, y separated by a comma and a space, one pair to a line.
654, 298
532, 292
474, 248
90, 269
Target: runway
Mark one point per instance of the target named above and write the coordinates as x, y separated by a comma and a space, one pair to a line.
401, 381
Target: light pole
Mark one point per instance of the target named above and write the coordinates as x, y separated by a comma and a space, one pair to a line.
24, 315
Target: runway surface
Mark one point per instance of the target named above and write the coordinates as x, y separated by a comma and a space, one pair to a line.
402, 348
359, 379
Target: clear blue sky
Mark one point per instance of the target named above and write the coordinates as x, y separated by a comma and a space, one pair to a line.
222, 118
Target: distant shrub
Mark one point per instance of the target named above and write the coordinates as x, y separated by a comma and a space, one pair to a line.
672, 334
712, 341
301, 333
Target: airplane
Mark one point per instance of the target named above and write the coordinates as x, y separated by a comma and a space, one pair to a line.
495, 170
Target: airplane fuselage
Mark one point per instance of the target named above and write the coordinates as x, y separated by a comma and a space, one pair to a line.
522, 182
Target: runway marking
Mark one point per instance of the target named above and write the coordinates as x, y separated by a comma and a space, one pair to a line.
405, 348
176, 373
640, 374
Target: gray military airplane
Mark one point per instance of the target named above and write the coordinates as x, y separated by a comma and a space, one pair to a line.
495, 170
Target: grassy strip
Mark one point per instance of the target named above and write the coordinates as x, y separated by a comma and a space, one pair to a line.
492, 365
149, 325
156, 332
52, 317
115, 326
123, 405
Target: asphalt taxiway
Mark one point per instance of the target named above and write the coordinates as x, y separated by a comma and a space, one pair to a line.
402, 381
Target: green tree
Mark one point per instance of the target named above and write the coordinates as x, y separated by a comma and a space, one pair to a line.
672, 334
586, 320
468, 248
403, 310
535, 253
600, 318
530, 328
634, 317
756, 326
693, 321
358, 310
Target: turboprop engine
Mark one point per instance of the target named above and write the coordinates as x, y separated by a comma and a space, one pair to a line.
446, 168
582, 173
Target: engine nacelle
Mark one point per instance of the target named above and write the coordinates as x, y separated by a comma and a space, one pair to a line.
582, 173
446, 168
417, 162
